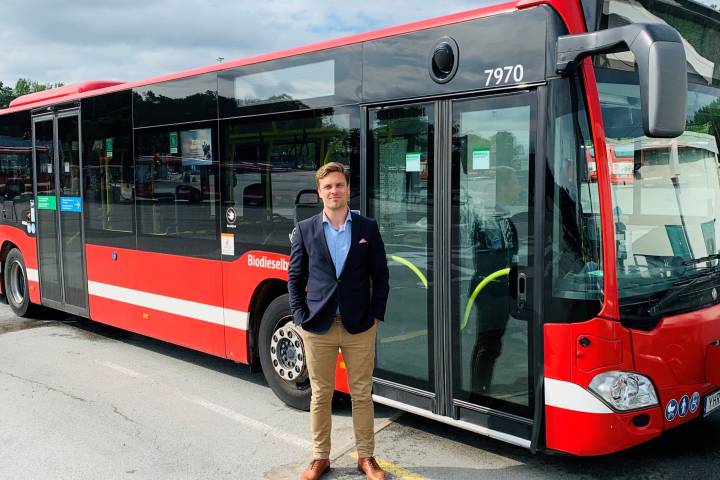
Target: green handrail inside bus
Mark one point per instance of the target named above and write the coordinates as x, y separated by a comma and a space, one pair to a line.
476, 292
412, 267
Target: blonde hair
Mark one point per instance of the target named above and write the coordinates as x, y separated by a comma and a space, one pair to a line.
329, 168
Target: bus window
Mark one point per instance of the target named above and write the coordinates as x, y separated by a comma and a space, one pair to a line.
268, 171
575, 274
176, 185
108, 170
16, 188
178, 101
667, 216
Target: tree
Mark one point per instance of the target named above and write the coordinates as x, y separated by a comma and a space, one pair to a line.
7, 94
22, 87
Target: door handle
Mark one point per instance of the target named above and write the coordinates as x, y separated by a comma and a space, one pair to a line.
521, 290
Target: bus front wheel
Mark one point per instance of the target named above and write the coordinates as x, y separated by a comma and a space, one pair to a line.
16, 285
282, 355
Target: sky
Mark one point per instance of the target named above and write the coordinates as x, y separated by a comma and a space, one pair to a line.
78, 40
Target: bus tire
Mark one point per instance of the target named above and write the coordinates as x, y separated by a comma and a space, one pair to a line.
16, 284
282, 355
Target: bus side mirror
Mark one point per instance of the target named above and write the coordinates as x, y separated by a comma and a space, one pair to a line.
661, 64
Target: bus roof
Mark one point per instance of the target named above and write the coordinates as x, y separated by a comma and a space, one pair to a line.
80, 90
60, 92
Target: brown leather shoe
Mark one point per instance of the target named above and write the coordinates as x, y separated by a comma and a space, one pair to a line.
371, 469
316, 469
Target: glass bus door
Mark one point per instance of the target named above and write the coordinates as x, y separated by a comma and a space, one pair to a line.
491, 258
450, 184
401, 146
58, 201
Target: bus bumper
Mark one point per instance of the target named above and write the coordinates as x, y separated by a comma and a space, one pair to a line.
583, 433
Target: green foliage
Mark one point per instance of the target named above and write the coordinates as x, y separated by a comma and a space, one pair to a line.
7, 94
22, 87
706, 119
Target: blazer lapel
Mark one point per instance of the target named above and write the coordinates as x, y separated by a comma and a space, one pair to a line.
354, 238
320, 229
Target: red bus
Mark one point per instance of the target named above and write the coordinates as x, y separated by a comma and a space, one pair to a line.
530, 300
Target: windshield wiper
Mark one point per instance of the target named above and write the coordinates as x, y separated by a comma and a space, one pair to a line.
709, 258
673, 293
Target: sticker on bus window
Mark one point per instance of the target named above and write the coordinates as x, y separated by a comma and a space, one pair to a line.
227, 244
412, 162
173, 142
71, 204
47, 202
196, 147
109, 147
481, 159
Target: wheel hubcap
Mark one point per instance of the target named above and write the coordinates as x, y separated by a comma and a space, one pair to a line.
287, 353
16, 289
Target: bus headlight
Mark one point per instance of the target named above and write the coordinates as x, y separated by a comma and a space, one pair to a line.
624, 390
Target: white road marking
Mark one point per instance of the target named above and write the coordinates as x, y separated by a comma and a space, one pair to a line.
248, 422
265, 429
121, 369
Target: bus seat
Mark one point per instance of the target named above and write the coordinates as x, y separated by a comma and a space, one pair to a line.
254, 203
307, 204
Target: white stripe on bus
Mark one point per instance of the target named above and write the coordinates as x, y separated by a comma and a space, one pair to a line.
573, 397
176, 306
32, 274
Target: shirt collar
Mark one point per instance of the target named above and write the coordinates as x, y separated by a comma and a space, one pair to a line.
348, 218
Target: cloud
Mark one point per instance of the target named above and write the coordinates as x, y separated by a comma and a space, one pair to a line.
51, 41
131, 40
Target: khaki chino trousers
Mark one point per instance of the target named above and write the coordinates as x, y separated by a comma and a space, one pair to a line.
321, 352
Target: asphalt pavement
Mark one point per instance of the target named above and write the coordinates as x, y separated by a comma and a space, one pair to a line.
81, 400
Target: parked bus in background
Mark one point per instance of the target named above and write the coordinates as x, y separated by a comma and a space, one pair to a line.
532, 299
627, 157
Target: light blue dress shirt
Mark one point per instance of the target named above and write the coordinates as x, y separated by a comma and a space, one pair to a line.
338, 241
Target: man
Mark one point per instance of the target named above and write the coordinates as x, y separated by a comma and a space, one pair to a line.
338, 285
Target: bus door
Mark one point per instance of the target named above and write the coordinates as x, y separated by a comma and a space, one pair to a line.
450, 184
59, 206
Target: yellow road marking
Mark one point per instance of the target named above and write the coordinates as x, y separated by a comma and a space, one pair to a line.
398, 472
405, 336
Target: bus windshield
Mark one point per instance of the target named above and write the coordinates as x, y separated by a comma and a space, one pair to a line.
665, 192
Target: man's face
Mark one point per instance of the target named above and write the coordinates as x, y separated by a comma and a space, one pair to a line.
334, 191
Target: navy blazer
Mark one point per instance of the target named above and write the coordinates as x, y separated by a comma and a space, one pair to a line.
361, 290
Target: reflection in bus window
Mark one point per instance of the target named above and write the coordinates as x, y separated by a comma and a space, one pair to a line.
400, 154
492, 236
108, 169
576, 275
16, 188
666, 213
176, 184
268, 173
